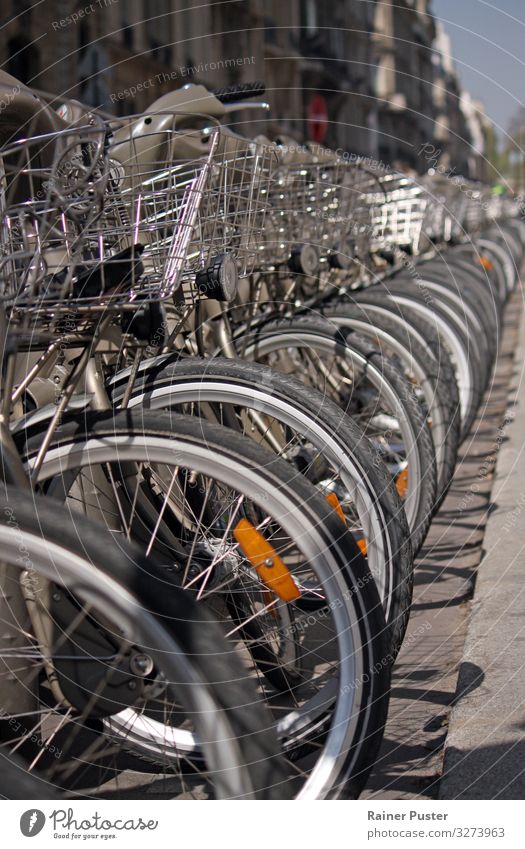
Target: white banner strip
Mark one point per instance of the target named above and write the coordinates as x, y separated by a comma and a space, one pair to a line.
257, 825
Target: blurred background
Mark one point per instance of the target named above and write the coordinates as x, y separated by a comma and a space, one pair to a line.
373, 77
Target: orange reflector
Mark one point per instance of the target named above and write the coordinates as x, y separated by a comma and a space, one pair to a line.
402, 483
486, 263
265, 560
334, 502
362, 545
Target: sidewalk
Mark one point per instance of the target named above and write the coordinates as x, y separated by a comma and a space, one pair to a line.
485, 745
424, 681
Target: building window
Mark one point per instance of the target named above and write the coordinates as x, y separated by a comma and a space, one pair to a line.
24, 14
337, 41
22, 59
309, 16
158, 29
127, 35
83, 37
270, 33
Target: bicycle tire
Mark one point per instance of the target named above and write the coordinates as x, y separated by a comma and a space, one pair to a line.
173, 381
315, 333
350, 719
191, 650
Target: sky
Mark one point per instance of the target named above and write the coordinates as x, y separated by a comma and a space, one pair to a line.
488, 45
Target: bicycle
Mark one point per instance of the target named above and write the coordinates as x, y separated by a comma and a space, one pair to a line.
307, 536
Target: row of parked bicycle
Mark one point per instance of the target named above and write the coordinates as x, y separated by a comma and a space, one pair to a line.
235, 377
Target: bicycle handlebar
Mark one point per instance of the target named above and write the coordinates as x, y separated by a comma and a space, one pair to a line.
240, 91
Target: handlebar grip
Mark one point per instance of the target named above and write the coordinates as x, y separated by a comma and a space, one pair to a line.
239, 91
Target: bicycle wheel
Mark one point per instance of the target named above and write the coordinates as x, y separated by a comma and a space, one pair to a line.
505, 262
17, 783
314, 435
421, 369
82, 646
454, 310
470, 265
455, 339
356, 375
220, 513
469, 297
378, 302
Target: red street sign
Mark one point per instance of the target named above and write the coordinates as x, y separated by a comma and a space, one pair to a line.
317, 118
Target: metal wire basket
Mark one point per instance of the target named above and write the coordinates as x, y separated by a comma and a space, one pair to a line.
478, 198
170, 211
51, 189
311, 220
363, 191
448, 206
194, 200
348, 224
412, 215
398, 214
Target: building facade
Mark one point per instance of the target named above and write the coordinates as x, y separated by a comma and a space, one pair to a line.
457, 134
403, 38
373, 78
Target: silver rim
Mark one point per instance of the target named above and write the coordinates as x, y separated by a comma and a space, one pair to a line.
457, 353
439, 432
97, 588
348, 689
353, 477
303, 339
